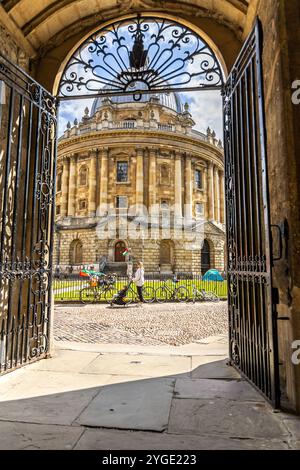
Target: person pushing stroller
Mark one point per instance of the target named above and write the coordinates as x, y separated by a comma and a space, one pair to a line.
139, 280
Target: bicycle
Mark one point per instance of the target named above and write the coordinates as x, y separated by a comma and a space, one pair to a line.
165, 293
204, 295
98, 288
132, 295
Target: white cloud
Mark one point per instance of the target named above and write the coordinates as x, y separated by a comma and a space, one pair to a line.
69, 110
206, 110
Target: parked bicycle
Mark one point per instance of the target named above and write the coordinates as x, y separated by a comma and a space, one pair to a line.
203, 295
132, 295
166, 293
100, 287
128, 295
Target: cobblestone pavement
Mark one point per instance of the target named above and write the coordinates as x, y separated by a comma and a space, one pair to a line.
147, 324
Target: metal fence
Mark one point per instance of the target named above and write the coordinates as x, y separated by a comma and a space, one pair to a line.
69, 288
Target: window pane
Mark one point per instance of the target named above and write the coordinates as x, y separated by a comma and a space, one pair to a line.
82, 204
122, 172
198, 179
121, 202
199, 209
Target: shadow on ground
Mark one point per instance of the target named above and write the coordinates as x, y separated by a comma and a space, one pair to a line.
134, 400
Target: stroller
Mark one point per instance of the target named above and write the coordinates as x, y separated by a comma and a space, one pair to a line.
119, 298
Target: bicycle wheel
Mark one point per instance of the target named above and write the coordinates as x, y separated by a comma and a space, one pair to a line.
109, 293
161, 294
148, 294
181, 294
211, 296
87, 295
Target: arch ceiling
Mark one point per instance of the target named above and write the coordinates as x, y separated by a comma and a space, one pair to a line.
43, 24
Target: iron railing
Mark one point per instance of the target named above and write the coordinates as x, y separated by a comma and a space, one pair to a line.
67, 288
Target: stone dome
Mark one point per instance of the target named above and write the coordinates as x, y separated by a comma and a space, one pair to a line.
168, 100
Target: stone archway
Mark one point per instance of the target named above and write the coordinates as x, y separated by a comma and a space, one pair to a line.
76, 252
40, 32
166, 256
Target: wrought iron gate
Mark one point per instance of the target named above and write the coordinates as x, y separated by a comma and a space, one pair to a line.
252, 314
27, 162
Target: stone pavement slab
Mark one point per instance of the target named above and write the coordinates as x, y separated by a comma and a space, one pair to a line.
65, 361
203, 349
48, 397
225, 417
238, 390
139, 365
100, 439
212, 368
292, 424
140, 405
25, 436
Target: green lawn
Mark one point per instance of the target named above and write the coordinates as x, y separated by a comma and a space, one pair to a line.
68, 290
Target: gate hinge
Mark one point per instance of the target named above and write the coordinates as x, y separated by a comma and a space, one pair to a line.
282, 236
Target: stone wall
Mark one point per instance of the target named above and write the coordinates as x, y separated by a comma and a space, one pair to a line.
281, 61
11, 50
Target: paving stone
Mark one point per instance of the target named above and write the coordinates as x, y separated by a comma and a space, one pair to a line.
152, 324
139, 365
210, 388
202, 368
65, 361
48, 397
293, 426
99, 439
25, 436
224, 417
139, 405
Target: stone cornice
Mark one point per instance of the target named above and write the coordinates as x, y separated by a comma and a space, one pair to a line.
113, 138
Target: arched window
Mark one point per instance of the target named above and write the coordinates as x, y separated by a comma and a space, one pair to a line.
166, 253
205, 257
76, 252
83, 173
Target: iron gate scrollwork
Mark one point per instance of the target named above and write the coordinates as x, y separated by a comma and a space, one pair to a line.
252, 314
27, 186
139, 55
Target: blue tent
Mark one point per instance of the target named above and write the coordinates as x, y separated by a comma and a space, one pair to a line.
212, 275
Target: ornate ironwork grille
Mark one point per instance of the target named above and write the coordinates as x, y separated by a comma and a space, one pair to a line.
252, 316
27, 162
139, 55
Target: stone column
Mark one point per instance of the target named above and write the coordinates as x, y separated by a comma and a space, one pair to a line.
210, 192
72, 186
92, 183
103, 182
216, 194
152, 177
65, 187
139, 179
178, 185
188, 188
222, 197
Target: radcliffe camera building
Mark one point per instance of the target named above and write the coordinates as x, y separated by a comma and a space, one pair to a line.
128, 158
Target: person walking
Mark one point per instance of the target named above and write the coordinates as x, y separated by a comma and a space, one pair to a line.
139, 280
